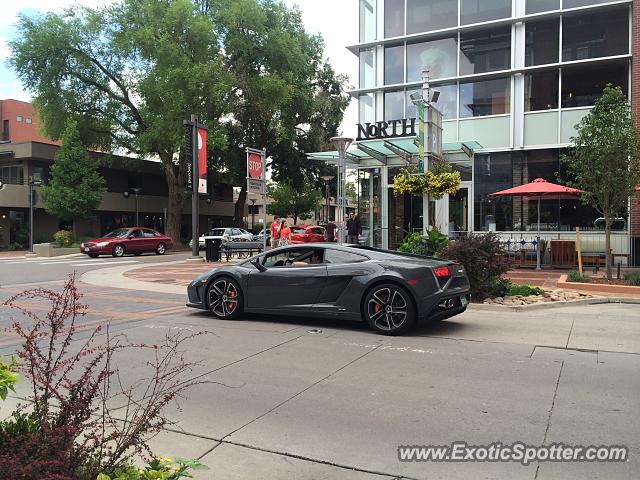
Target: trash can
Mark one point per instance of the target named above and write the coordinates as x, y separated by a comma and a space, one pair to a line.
212, 249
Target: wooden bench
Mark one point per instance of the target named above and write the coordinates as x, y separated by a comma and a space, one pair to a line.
240, 248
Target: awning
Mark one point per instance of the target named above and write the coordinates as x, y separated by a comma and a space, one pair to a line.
394, 152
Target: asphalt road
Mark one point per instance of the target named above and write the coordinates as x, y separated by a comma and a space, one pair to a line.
20, 270
312, 399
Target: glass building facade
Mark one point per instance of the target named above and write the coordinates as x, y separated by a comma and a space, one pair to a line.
514, 76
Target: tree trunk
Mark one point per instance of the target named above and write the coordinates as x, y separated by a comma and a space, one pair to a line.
74, 230
238, 212
607, 244
175, 202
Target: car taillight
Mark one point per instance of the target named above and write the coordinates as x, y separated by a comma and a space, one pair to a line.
442, 271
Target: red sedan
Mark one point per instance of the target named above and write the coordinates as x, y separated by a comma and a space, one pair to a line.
304, 234
127, 240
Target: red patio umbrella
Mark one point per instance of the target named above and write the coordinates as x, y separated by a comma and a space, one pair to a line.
539, 189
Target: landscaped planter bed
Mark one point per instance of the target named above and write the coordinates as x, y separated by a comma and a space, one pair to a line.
601, 285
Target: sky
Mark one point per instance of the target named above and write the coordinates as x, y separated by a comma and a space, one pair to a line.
335, 20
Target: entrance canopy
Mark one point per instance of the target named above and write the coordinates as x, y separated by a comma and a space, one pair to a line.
394, 152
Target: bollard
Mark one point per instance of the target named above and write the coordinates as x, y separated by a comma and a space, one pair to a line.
618, 270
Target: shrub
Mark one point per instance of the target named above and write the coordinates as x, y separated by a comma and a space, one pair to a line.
75, 386
63, 238
484, 259
160, 468
500, 287
8, 377
633, 277
574, 276
524, 290
430, 245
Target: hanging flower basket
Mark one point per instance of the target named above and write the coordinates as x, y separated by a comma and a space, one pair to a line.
440, 179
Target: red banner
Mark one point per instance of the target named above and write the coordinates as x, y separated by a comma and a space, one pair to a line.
202, 160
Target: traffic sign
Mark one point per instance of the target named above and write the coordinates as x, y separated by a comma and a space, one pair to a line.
254, 166
255, 186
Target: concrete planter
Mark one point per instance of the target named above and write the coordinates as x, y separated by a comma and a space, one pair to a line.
599, 287
49, 250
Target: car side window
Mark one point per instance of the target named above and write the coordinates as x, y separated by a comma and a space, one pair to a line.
148, 234
294, 258
338, 256
137, 233
318, 231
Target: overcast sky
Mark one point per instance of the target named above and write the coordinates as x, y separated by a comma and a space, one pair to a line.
336, 20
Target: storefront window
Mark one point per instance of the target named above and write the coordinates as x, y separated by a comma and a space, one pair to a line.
367, 20
476, 11
537, 6
393, 64
446, 103
428, 15
595, 35
485, 51
486, 97
366, 111
541, 91
394, 105
367, 72
393, 18
439, 56
582, 85
541, 42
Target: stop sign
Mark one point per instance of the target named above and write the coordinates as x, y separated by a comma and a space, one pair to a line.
254, 166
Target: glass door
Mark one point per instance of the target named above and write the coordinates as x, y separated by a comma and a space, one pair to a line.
369, 207
459, 213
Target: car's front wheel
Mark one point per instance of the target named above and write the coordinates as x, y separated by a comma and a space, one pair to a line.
224, 298
161, 250
118, 251
389, 309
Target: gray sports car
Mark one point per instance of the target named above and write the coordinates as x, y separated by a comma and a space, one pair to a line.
391, 291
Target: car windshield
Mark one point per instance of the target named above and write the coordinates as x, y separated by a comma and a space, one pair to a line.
119, 233
216, 232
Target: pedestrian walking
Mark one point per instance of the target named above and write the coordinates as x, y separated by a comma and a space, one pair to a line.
274, 228
285, 234
330, 231
354, 229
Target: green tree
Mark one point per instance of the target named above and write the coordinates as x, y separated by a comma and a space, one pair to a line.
604, 159
296, 201
129, 74
284, 99
75, 188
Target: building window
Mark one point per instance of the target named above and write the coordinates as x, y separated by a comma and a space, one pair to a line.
394, 105
541, 42
582, 85
595, 35
366, 111
428, 15
5, 130
41, 174
393, 64
537, 6
541, 91
476, 11
439, 56
486, 97
367, 20
19, 118
581, 3
485, 51
28, 120
367, 72
393, 18
12, 174
446, 103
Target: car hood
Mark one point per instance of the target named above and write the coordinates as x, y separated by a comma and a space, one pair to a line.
102, 239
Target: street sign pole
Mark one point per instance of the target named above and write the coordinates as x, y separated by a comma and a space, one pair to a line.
195, 247
264, 199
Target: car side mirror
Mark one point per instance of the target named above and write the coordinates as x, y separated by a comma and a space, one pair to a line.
256, 263
130, 237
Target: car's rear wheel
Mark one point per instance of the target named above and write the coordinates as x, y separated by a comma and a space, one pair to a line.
93, 255
161, 250
224, 298
389, 309
118, 250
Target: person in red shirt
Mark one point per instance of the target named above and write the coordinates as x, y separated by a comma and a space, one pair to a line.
285, 234
275, 228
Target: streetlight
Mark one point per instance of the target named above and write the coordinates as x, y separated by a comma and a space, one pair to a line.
136, 191
32, 183
327, 179
341, 144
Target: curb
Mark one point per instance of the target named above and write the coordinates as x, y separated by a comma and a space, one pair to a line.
113, 277
549, 305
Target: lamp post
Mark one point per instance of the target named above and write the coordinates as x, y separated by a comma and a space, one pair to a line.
327, 179
32, 183
341, 144
136, 191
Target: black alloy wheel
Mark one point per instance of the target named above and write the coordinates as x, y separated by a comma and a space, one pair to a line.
389, 309
224, 298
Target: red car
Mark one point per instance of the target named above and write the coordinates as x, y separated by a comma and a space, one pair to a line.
128, 240
304, 234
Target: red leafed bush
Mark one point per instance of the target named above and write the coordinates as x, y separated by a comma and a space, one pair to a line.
70, 431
